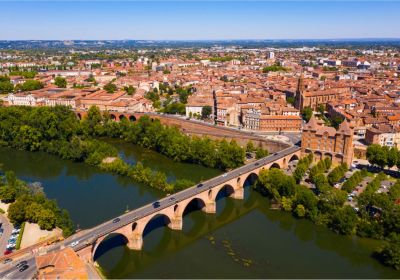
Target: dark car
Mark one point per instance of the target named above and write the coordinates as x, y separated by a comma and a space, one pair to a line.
7, 260
20, 264
25, 267
257, 164
171, 198
116, 220
156, 204
199, 185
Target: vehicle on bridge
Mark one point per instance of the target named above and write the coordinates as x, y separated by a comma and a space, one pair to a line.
156, 204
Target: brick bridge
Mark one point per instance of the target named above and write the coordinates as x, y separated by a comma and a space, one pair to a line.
198, 128
133, 225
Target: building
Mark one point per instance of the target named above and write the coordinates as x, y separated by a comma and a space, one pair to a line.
63, 264
323, 141
384, 135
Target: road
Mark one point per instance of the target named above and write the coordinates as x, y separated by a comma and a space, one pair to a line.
91, 235
8, 227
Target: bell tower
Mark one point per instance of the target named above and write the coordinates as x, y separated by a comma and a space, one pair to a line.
298, 98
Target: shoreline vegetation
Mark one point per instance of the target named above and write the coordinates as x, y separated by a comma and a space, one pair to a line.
376, 216
56, 130
28, 203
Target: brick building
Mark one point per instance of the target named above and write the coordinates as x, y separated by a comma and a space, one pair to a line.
323, 141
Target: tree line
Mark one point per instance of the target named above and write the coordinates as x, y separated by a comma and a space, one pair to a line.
377, 216
56, 130
28, 203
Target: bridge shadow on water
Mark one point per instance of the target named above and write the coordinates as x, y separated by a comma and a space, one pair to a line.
160, 240
111, 242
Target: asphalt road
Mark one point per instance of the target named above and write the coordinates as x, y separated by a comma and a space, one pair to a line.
89, 236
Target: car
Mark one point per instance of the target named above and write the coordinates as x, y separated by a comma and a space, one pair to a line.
171, 198
6, 260
73, 244
156, 204
257, 164
224, 175
15, 231
199, 185
116, 220
21, 264
23, 268
275, 154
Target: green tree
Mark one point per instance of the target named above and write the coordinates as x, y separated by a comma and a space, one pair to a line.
300, 211
16, 212
46, 219
307, 113
390, 252
110, 88
260, 153
60, 82
250, 147
29, 85
344, 220
206, 112
130, 90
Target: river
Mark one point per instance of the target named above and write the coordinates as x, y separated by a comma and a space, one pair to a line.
245, 239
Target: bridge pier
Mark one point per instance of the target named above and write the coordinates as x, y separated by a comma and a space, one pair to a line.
211, 207
176, 224
136, 242
238, 194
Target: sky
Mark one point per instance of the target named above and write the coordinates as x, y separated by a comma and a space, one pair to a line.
203, 20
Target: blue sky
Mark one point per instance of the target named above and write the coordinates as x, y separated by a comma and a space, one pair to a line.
167, 20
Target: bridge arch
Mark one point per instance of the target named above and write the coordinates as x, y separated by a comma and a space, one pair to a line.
132, 118
196, 203
109, 242
79, 116
250, 179
275, 165
122, 117
223, 191
293, 157
113, 117
156, 221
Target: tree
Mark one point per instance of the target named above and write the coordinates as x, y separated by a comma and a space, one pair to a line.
206, 112
392, 157
321, 109
6, 87
29, 85
16, 212
390, 252
378, 155
260, 153
300, 211
60, 82
344, 220
250, 147
7, 193
110, 88
46, 219
307, 113
130, 90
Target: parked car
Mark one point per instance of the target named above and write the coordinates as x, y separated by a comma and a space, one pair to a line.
16, 230
7, 260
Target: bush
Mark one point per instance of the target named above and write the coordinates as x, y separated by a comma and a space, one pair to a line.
19, 239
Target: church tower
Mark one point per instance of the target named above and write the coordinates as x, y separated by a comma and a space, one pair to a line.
298, 98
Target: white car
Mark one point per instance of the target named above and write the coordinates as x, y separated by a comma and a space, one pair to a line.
73, 244
15, 231
224, 175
